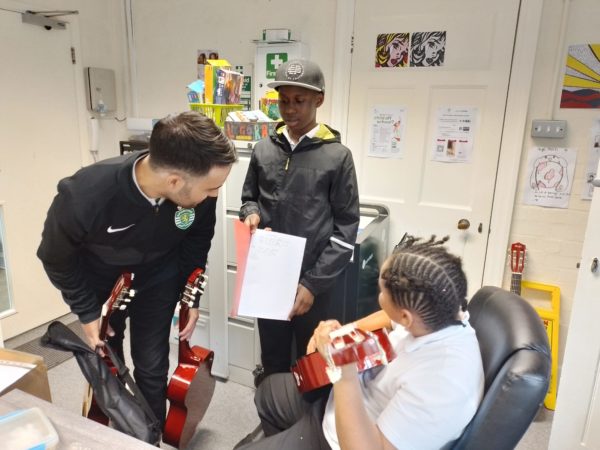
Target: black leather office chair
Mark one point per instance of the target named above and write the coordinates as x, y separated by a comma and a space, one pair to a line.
516, 363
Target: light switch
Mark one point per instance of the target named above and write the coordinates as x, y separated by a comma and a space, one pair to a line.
549, 128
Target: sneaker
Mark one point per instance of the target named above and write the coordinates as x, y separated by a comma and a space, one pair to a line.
259, 375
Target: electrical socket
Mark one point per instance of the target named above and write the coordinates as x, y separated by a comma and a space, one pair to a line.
556, 129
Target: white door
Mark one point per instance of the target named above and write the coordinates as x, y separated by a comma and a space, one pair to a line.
39, 144
428, 197
577, 415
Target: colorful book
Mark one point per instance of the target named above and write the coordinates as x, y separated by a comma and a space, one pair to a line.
211, 69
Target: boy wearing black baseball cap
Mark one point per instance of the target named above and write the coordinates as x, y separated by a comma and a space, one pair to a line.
301, 181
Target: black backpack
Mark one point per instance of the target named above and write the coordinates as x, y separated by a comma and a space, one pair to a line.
117, 396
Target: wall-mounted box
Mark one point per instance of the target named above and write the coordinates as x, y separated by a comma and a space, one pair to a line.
100, 90
556, 129
276, 34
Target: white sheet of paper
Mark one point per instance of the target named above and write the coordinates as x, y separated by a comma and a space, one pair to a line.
11, 371
549, 173
272, 274
388, 124
454, 135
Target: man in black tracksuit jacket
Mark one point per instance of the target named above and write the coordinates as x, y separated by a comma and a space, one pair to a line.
301, 181
152, 214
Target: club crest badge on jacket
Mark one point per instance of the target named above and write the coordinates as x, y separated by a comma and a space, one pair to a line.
184, 218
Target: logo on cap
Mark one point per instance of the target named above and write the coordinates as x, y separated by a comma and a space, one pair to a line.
294, 71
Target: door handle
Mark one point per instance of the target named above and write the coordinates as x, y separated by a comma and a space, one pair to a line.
463, 224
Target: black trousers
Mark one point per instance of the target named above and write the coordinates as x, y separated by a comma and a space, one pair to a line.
290, 420
150, 315
277, 336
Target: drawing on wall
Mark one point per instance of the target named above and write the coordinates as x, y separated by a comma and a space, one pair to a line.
550, 176
592, 163
392, 50
581, 86
202, 56
387, 131
427, 48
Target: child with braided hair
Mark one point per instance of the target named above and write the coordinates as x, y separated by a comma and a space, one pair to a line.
422, 399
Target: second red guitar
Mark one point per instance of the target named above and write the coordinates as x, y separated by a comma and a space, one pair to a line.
192, 386
349, 344
517, 262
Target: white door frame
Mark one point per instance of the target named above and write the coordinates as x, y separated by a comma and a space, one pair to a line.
513, 130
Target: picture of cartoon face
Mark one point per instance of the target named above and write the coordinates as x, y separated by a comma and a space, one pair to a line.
428, 48
392, 50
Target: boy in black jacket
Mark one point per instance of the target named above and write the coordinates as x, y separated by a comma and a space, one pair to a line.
301, 181
150, 213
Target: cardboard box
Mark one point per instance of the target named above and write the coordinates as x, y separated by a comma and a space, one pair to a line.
35, 381
249, 131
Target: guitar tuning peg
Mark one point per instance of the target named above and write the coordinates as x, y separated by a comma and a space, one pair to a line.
127, 299
132, 293
122, 307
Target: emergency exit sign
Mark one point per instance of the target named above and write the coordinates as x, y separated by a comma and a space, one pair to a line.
274, 60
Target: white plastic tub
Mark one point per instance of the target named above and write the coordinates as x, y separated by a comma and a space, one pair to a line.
27, 429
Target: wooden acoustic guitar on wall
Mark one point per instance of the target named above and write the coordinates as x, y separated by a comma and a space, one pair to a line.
119, 298
349, 344
517, 263
192, 386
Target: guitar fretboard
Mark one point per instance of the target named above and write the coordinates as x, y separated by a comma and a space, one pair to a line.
515, 283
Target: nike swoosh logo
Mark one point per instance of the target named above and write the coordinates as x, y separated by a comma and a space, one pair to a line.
116, 230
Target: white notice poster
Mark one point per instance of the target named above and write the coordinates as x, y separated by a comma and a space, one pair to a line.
271, 275
387, 131
455, 128
549, 174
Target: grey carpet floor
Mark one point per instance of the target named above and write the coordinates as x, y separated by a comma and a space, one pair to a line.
231, 414
52, 357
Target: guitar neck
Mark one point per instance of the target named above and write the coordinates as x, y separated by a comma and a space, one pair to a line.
186, 355
515, 283
103, 327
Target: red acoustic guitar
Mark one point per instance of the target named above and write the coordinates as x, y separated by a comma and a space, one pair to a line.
120, 296
517, 262
192, 386
349, 344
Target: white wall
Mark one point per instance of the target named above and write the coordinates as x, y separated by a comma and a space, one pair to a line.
168, 34
554, 236
103, 44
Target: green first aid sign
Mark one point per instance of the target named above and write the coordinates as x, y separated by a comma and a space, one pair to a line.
274, 60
